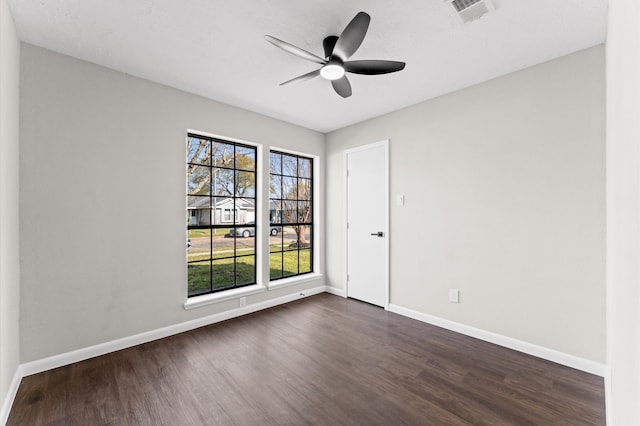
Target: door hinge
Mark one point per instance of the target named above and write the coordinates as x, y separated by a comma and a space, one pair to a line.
347, 172
347, 277
347, 225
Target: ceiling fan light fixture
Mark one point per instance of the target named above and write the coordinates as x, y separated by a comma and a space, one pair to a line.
332, 72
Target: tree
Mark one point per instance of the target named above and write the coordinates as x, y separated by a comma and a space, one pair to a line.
297, 193
220, 169
214, 169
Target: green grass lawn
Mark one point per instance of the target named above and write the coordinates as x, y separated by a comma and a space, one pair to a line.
223, 270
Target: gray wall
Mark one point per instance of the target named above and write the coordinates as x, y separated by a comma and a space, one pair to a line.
99, 150
623, 213
9, 201
504, 184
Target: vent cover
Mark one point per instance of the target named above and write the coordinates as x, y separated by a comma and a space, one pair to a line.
469, 10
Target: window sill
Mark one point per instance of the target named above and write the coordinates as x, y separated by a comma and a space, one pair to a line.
286, 282
209, 299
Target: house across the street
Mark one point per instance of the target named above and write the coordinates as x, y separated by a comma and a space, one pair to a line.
224, 211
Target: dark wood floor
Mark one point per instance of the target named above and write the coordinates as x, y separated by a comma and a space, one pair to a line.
320, 360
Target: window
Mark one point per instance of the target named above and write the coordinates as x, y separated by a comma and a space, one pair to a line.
221, 204
291, 215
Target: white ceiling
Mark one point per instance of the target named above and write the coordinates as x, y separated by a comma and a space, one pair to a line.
216, 48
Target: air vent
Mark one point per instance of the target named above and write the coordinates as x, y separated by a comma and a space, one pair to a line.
469, 10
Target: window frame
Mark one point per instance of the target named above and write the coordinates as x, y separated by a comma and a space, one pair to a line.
280, 203
233, 223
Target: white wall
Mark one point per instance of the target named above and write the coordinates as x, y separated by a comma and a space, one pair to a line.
99, 150
505, 201
9, 201
623, 212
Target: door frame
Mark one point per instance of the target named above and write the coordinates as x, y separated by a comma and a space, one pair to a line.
385, 144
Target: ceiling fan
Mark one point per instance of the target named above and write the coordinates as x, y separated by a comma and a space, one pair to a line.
337, 49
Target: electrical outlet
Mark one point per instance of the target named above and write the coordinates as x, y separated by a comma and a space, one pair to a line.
243, 302
454, 296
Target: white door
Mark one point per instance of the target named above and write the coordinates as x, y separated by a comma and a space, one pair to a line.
367, 223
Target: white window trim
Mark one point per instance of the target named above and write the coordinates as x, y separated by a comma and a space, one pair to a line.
295, 280
221, 296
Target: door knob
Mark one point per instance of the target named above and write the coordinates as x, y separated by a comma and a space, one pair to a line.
378, 234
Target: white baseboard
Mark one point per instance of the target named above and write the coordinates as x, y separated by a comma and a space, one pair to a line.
11, 395
508, 342
56, 361
337, 291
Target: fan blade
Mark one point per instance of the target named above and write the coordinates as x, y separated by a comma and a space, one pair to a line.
328, 43
373, 67
303, 77
342, 87
352, 36
301, 53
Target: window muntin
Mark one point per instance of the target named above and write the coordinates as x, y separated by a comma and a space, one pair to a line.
291, 211
221, 211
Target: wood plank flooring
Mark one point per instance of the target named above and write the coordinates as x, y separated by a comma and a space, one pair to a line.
321, 360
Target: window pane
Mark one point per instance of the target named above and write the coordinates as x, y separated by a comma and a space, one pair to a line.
223, 273
275, 265
275, 211
245, 158
198, 151
304, 167
224, 211
290, 259
289, 188
246, 211
199, 278
303, 237
304, 189
222, 154
246, 245
289, 237
275, 163
289, 211
198, 179
289, 165
305, 261
276, 242
223, 182
199, 244
223, 243
198, 210
246, 270
245, 184
275, 186
304, 212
